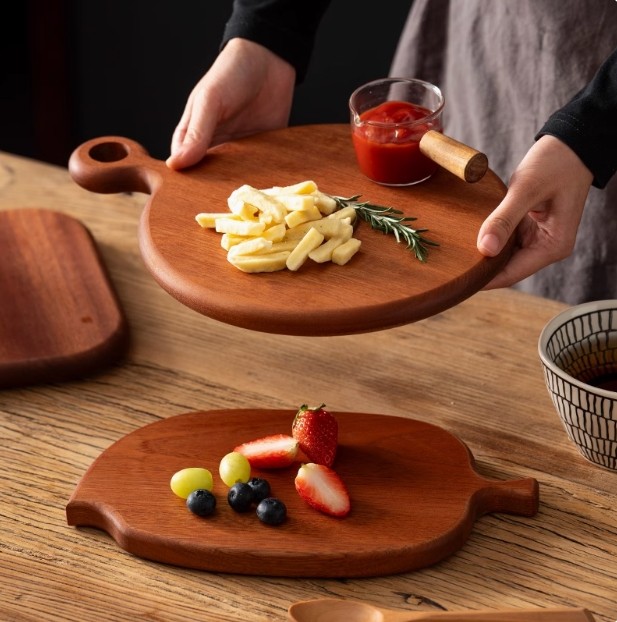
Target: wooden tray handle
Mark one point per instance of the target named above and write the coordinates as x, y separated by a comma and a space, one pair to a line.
111, 164
509, 497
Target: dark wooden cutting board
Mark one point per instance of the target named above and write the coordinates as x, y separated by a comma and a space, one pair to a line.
414, 490
60, 318
383, 286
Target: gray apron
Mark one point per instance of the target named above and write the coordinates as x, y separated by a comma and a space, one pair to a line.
504, 66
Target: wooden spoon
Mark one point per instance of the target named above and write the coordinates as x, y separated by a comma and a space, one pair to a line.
334, 610
458, 158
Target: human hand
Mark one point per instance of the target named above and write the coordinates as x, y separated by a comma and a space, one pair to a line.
247, 90
543, 206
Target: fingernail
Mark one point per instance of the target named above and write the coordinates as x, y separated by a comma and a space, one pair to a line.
490, 244
173, 158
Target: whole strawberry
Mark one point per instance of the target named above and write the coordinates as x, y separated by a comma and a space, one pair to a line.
316, 431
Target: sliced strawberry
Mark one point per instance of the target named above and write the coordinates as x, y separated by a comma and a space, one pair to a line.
323, 489
316, 430
270, 452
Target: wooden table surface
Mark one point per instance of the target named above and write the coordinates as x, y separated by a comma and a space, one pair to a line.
473, 370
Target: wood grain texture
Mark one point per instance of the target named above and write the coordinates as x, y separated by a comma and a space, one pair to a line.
383, 286
473, 370
413, 486
60, 317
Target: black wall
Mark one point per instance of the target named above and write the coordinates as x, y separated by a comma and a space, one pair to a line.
79, 69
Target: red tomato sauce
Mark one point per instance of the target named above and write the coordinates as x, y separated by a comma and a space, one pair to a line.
390, 154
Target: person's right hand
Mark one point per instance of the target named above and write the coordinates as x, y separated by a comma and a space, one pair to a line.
542, 208
247, 90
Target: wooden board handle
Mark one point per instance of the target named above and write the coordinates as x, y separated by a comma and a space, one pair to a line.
520, 497
461, 160
111, 164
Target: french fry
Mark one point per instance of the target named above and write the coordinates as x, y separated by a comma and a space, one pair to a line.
307, 244
275, 233
271, 262
346, 212
239, 227
302, 187
249, 247
248, 212
297, 202
207, 220
229, 239
343, 253
324, 252
326, 204
328, 227
269, 208
290, 245
298, 217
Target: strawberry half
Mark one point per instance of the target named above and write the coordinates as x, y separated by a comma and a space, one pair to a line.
270, 452
316, 430
323, 489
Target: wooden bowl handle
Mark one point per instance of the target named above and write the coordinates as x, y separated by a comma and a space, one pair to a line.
461, 160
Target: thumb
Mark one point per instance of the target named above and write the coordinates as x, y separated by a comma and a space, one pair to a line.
493, 235
499, 226
194, 132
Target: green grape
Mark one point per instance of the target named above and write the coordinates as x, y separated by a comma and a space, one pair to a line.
234, 468
185, 481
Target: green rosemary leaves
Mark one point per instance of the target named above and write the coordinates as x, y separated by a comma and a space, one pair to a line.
389, 220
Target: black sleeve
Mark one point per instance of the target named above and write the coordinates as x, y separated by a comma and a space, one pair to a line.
588, 123
285, 27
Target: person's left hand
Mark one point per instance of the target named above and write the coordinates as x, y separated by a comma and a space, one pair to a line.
542, 207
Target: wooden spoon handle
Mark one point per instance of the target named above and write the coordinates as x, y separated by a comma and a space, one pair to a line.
332, 609
549, 614
461, 160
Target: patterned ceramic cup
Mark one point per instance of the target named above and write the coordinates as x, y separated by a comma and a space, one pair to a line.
578, 350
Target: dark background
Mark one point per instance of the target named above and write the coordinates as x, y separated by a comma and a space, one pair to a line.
73, 70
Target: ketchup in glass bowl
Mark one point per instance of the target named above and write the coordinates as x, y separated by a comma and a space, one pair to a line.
388, 119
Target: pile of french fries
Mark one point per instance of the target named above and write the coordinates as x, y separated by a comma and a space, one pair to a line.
283, 227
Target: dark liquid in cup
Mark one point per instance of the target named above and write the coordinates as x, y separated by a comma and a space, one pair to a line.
607, 382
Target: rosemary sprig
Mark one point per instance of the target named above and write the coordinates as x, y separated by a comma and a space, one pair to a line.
388, 220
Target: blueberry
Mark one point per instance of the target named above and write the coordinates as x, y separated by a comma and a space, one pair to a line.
240, 497
261, 488
271, 511
201, 502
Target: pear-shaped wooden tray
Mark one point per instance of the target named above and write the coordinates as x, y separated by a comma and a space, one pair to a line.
60, 318
415, 496
383, 286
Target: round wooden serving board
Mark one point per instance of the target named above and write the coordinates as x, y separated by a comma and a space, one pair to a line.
415, 496
60, 318
383, 286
